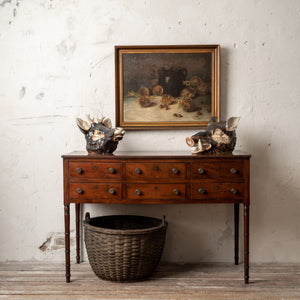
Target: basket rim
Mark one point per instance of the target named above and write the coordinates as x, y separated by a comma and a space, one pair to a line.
162, 226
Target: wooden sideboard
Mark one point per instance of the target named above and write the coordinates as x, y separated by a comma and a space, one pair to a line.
157, 178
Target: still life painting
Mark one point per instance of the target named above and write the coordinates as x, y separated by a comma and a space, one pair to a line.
166, 86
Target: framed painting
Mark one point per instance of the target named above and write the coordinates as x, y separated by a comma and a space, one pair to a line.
166, 87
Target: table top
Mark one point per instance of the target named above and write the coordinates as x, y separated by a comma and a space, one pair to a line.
170, 154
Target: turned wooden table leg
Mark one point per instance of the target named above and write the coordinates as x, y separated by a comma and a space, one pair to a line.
246, 242
236, 232
67, 241
77, 212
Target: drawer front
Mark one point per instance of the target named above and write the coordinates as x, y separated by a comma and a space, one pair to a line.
95, 170
156, 191
217, 190
155, 170
95, 191
233, 169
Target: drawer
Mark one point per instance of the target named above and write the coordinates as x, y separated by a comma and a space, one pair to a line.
155, 170
156, 191
95, 191
217, 190
233, 169
95, 170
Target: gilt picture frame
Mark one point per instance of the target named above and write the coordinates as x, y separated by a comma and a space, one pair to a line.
167, 87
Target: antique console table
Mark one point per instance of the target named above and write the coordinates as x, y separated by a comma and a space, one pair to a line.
157, 178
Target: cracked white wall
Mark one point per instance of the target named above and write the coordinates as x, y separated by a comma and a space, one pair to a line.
57, 63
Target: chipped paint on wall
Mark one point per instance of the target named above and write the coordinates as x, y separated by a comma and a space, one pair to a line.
40, 96
55, 241
4, 2
67, 46
22, 92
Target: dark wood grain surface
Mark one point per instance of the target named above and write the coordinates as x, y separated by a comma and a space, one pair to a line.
157, 178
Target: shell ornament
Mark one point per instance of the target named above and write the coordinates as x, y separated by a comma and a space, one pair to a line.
219, 137
99, 134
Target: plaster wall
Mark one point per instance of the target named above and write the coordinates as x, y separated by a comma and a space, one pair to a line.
57, 63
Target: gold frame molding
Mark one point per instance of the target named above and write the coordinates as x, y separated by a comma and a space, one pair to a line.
215, 84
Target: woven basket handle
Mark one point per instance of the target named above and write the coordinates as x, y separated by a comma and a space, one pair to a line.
87, 217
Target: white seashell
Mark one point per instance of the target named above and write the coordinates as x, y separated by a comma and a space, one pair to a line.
100, 118
195, 149
190, 142
83, 124
206, 146
232, 123
119, 131
107, 122
220, 137
91, 120
201, 147
97, 135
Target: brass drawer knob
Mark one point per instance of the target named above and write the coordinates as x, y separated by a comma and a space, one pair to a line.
79, 191
201, 191
176, 192
233, 170
138, 192
175, 171
233, 191
138, 171
111, 170
112, 191
155, 168
201, 171
79, 170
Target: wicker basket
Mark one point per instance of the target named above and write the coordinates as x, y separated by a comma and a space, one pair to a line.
124, 248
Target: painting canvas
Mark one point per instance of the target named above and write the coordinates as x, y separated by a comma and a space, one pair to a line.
166, 86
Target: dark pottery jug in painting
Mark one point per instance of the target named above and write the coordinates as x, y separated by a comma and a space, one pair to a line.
172, 80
